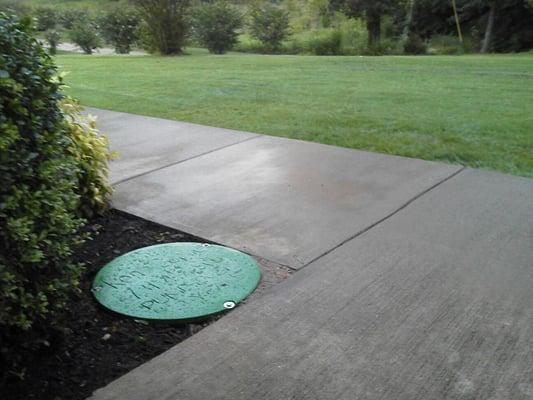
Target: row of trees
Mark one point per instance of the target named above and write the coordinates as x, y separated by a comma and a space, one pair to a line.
164, 25
391, 25
503, 25
118, 26
215, 25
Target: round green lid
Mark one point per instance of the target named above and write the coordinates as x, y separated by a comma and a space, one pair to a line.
176, 281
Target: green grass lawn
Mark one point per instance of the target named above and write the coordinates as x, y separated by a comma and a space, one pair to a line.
473, 110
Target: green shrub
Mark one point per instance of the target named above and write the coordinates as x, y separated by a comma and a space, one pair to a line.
347, 37
325, 42
165, 24
85, 35
445, 45
414, 44
69, 18
385, 46
53, 37
119, 27
91, 152
270, 25
22, 10
354, 36
47, 18
50, 182
307, 15
145, 39
216, 25
248, 44
38, 202
319, 42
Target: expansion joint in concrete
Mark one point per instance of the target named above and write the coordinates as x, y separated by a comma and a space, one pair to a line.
386, 217
184, 160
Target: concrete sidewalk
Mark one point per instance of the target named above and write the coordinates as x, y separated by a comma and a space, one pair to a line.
418, 278
434, 303
284, 200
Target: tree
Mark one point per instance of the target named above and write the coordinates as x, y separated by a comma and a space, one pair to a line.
70, 17
216, 25
457, 22
53, 37
119, 27
372, 11
269, 25
85, 35
165, 23
488, 30
408, 18
47, 18
507, 24
502, 25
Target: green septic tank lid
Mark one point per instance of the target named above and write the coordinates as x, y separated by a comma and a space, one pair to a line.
176, 281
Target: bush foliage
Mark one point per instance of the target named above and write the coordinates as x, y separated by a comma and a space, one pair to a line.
119, 27
45, 181
22, 10
71, 17
85, 35
414, 44
91, 152
53, 37
344, 37
47, 18
326, 42
165, 24
216, 25
446, 45
269, 25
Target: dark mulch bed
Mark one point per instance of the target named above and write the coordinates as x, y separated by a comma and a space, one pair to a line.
102, 345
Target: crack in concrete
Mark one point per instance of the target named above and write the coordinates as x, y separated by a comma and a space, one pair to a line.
184, 160
386, 217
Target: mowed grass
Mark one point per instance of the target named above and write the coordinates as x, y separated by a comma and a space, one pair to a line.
471, 110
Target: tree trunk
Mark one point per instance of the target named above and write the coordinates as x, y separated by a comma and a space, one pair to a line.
409, 19
488, 30
373, 26
457, 23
